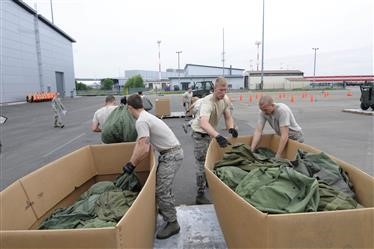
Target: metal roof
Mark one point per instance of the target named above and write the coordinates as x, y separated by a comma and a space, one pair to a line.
232, 68
276, 73
43, 19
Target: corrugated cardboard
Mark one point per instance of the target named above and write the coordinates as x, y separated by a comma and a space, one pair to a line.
31, 199
162, 107
244, 226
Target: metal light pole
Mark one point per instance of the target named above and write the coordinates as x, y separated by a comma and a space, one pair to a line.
223, 52
315, 57
52, 11
179, 77
263, 45
258, 43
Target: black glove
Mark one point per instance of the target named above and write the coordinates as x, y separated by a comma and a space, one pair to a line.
222, 141
233, 132
128, 168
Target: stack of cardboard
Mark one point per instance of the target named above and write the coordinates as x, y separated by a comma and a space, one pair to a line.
162, 108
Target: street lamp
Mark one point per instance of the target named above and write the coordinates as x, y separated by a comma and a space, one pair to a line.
159, 60
179, 77
263, 45
315, 57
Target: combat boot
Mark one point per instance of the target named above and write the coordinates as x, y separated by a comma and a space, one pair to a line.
169, 230
201, 199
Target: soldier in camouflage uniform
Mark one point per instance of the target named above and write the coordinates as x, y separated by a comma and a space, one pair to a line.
152, 130
212, 108
59, 111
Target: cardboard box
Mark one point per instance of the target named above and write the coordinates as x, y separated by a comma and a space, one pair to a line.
244, 226
31, 199
162, 108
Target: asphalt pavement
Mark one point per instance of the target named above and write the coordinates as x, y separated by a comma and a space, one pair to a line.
30, 141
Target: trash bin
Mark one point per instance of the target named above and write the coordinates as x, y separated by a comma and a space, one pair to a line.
367, 97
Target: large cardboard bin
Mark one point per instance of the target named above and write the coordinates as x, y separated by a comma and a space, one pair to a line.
244, 226
28, 201
162, 107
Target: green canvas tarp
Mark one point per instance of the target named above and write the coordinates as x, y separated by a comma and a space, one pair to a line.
119, 127
102, 205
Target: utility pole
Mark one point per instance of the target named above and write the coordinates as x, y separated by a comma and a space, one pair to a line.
52, 11
159, 60
315, 58
179, 77
258, 43
223, 52
263, 45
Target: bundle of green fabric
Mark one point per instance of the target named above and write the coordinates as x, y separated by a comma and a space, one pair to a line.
119, 127
103, 205
313, 182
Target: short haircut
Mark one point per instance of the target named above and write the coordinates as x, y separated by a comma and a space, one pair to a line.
266, 99
110, 99
140, 92
135, 101
124, 100
220, 81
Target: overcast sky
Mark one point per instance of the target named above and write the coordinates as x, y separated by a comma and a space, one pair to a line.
117, 35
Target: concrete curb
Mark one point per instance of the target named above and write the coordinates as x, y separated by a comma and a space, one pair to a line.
359, 111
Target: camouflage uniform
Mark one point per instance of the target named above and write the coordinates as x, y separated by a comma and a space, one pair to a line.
201, 143
58, 109
168, 165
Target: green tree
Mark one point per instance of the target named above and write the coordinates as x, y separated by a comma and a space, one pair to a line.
81, 86
135, 82
107, 84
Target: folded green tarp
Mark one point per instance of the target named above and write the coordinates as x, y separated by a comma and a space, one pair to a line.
119, 127
312, 182
102, 205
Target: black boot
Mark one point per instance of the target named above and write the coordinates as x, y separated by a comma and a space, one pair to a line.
201, 199
169, 230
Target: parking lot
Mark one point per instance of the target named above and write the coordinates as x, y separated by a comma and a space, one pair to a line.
30, 141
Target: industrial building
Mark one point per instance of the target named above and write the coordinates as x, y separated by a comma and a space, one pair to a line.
36, 56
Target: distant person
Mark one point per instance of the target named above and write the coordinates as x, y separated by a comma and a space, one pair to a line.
281, 119
147, 104
124, 100
103, 113
153, 131
187, 99
58, 110
193, 109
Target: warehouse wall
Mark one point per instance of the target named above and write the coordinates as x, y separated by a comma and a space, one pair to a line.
19, 66
18, 55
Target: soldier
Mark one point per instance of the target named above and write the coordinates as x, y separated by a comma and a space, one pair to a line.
281, 119
212, 108
152, 130
187, 99
59, 111
103, 113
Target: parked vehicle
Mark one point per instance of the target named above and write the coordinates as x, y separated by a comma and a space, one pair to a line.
367, 96
202, 88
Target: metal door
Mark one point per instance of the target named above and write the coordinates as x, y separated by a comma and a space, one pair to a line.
60, 86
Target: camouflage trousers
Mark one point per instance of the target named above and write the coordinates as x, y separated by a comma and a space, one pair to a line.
58, 118
201, 143
168, 165
296, 135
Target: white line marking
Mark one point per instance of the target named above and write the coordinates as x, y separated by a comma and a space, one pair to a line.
61, 146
